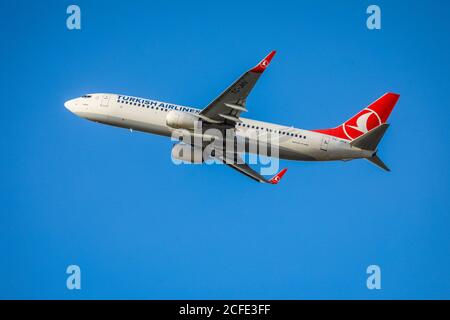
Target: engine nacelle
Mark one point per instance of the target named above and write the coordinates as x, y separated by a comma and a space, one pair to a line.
187, 153
181, 120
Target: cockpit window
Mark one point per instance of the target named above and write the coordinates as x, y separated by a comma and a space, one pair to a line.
86, 96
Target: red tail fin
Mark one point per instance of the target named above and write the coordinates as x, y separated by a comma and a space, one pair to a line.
367, 119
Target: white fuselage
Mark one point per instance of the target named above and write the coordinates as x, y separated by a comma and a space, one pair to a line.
150, 116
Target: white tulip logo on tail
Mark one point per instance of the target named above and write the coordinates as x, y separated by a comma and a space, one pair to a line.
362, 123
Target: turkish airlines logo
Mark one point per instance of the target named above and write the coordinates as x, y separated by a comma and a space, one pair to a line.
363, 122
264, 64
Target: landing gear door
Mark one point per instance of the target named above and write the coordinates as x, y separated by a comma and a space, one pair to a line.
104, 101
325, 143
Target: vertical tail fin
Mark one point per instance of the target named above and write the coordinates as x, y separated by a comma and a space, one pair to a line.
367, 119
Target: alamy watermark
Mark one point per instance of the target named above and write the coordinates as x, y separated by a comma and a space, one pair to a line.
374, 279
373, 21
73, 21
73, 281
231, 145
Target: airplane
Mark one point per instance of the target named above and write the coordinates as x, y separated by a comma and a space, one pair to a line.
356, 138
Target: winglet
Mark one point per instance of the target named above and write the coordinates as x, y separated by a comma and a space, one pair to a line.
264, 63
276, 178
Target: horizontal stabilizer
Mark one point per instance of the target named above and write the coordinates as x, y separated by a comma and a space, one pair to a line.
371, 139
378, 162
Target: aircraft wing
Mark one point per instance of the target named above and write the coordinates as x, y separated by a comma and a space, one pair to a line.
227, 107
239, 165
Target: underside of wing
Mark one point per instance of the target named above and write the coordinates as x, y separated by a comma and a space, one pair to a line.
227, 107
236, 162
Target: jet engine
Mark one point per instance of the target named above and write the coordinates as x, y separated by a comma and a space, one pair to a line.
181, 120
187, 153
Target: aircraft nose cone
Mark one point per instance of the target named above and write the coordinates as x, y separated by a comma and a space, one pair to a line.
70, 104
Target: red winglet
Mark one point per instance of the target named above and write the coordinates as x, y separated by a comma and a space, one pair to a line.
264, 63
276, 178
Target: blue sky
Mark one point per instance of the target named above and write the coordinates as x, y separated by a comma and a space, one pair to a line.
75, 192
